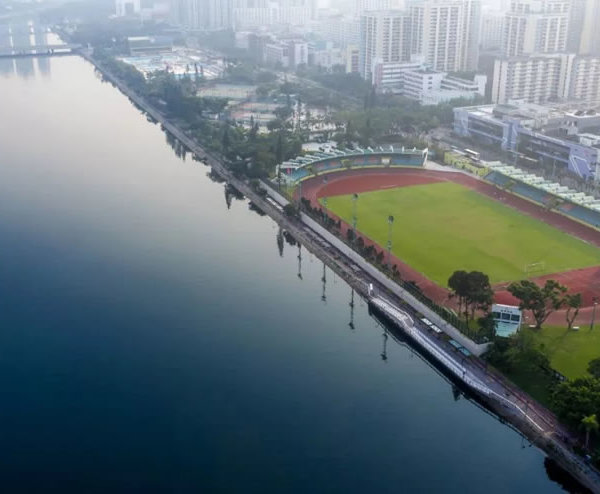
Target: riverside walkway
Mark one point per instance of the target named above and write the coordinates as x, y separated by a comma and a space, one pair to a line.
506, 400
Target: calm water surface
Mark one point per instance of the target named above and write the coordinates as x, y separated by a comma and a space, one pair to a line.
154, 340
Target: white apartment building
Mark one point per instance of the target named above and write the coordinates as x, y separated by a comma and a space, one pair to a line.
287, 53
535, 79
326, 55
390, 76
585, 80
295, 12
584, 36
340, 29
249, 14
361, 6
421, 81
492, 30
385, 37
352, 59
209, 15
446, 33
536, 26
156, 9
415, 81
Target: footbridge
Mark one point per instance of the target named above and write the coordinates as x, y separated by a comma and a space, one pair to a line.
37, 50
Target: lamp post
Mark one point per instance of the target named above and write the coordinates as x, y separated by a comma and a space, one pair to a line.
389, 241
325, 204
595, 302
354, 217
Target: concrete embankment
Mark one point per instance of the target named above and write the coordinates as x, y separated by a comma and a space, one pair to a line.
530, 418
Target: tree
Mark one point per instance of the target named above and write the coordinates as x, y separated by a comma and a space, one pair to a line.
590, 424
541, 301
283, 112
487, 326
458, 283
226, 140
573, 303
279, 157
574, 400
473, 290
594, 367
480, 293
291, 211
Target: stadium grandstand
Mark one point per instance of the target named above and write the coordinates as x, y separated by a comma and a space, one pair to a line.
315, 163
577, 205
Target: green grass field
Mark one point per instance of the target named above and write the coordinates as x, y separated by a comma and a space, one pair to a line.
570, 351
442, 227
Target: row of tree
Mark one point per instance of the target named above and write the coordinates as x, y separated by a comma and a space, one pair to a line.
474, 293
544, 300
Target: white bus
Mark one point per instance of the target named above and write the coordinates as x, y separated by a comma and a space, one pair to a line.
472, 154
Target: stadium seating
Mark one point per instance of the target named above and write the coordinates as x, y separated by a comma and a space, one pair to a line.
541, 197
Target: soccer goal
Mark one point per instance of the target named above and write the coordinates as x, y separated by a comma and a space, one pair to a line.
534, 267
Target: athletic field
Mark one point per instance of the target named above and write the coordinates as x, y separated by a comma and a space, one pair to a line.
442, 227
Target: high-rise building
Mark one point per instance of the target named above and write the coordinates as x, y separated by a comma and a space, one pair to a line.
296, 12
535, 79
210, 15
584, 27
471, 34
536, 26
492, 30
384, 37
146, 9
446, 33
361, 6
339, 29
249, 14
585, 80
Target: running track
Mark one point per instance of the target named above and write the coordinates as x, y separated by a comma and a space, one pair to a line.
585, 281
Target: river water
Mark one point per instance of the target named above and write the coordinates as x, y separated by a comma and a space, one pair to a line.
153, 339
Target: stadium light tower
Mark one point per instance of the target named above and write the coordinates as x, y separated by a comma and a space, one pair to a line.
354, 217
389, 241
595, 302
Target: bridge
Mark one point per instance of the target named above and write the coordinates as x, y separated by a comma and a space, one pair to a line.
37, 50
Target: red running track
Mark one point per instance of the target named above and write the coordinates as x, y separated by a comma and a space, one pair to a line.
585, 281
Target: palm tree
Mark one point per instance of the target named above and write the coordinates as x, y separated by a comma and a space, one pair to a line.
590, 424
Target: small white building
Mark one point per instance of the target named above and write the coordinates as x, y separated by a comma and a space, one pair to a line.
416, 81
507, 318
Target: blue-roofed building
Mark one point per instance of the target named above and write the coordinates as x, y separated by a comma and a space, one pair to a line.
555, 138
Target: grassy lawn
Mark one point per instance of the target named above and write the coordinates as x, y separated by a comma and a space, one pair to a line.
570, 351
442, 227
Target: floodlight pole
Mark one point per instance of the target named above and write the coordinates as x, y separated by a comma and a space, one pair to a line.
595, 301
354, 217
389, 241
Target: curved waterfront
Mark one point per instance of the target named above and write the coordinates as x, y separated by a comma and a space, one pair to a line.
151, 337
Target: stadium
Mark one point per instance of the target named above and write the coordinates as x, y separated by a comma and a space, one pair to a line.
444, 220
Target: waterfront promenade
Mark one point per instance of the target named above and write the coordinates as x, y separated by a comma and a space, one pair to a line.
533, 420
